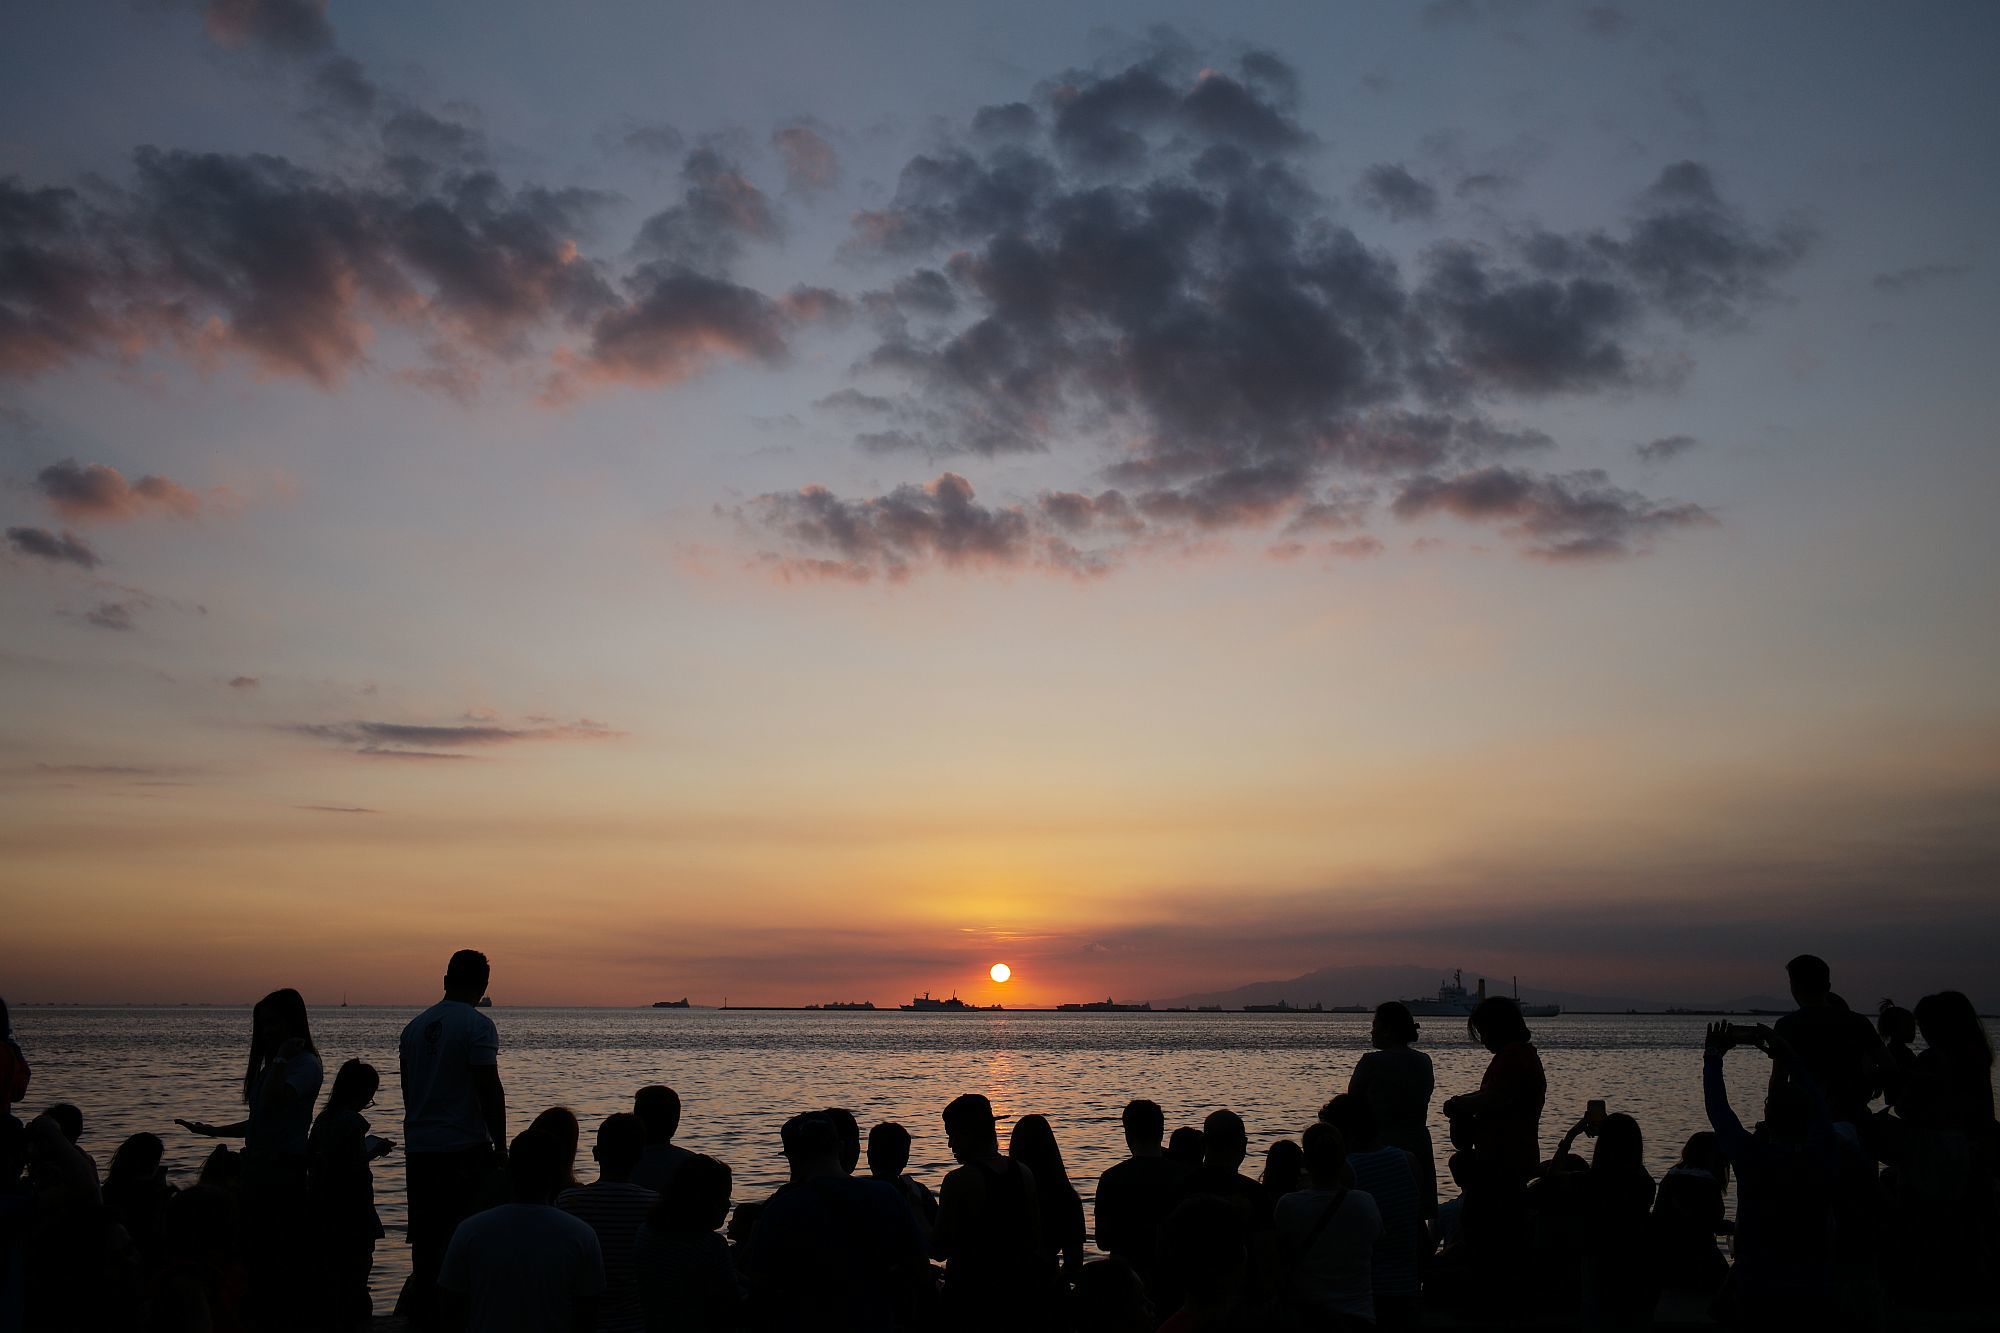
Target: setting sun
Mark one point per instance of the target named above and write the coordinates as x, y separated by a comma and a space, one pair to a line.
1001, 972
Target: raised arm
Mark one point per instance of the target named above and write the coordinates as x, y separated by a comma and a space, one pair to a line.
1715, 1093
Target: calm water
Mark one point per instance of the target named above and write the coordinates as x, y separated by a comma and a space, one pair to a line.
741, 1073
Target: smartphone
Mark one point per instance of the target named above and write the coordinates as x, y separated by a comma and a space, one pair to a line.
1745, 1034
1593, 1116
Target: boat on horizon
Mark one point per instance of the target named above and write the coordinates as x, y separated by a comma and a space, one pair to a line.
1454, 1001
485, 1002
1105, 1006
924, 1004
681, 1003
1284, 1007
844, 1005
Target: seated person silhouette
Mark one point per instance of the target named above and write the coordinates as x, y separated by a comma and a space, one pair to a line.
525, 1266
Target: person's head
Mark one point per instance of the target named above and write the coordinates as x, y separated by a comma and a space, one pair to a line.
659, 1110
137, 1159
559, 1125
1496, 1023
67, 1119
1185, 1145
812, 1145
1110, 1298
1895, 1024
888, 1150
1810, 978
969, 1127
1325, 1154
278, 1018
1203, 1243
849, 1129
222, 1168
1392, 1027
538, 1165
1951, 1027
1619, 1146
696, 1198
1284, 1163
621, 1140
466, 976
354, 1086
1145, 1124
1224, 1142
1354, 1118
1033, 1144
1703, 1152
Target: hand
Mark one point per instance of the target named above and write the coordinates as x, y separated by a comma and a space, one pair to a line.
201, 1127
383, 1147
1719, 1038
1452, 1107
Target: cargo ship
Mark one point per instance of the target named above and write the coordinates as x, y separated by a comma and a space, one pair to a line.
924, 1004
1454, 1001
1105, 1006
672, 1004
843, 1005
1283, 1007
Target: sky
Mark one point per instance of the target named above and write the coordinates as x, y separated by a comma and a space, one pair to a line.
795, 503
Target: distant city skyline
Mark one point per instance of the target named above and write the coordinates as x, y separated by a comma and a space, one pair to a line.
807, 503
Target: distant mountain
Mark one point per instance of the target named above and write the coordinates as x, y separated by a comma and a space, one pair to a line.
1370, 985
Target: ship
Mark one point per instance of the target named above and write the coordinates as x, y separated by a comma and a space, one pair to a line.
1105, 1006
672, 1004
1454, 1001
844, 1004
924, 1004
485, 1002
1283, 1007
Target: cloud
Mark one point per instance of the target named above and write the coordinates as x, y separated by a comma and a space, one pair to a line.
405, 740
339, 809
113, 615
285, 27
887, 535
811, 165
1667, 446
1918, 275
1572, 516
242, 682
64, 548
1388, 187
99, 491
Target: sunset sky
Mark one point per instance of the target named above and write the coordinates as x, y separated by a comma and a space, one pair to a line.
800, 502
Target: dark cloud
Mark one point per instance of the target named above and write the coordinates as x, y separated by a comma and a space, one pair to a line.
938, 522
113, 615
719, 211
811, 165
1918, 275
339, 809
1388, 187
404, 740
242, 682
1484, 183
344, 88
1667, 446
1573, 516
1013, 120
62, 548
675, 324
98, 491
285, 27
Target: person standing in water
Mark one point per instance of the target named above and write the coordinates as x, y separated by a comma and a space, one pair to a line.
1396, 1081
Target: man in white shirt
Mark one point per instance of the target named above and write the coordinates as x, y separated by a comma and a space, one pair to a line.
615, 1208
1327, 1234
526, 1266
454, 1121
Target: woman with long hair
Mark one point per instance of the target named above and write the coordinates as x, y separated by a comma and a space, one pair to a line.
345, 1225
1396, 1081
1502, 1121
560, 1125
281, 1082
1033, 1145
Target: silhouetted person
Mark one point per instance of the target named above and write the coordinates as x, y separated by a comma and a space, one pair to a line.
525, 1266
561, 1125
832, 1252
1284, 1168
1225, 1143
1502, 1120
1609, 1207
14, 1072
1185, 1147
688, 1282
1786, 1175
1896, 1028
1136, 1195
345, 1225
1388, 1175
1835, 1045
1110, 1297
201, 1283
1397, 1081
1689, 1212
1326, 1239
1032, 1143
136, 1191
68, 1121
848, 1129
1951, 1079
1203, 1242
659, 1110
454, 1120
989, 1227
615, 1209
281, 1081
888, 1162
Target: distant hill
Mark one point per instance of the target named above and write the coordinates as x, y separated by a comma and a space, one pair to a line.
1370, 985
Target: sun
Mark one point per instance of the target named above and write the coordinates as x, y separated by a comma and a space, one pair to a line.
1001, 972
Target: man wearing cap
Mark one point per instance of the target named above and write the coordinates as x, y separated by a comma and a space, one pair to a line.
988, 1227
830, 1251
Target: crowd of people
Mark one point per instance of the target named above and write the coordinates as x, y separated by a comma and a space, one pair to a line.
1867, 1190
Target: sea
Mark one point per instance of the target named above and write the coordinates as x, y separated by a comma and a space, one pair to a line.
741, 1073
